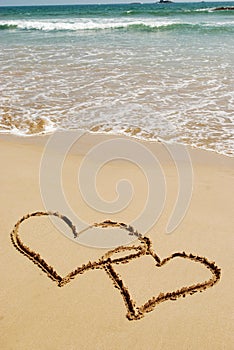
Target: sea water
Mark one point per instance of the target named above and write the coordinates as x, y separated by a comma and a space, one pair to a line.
152, 71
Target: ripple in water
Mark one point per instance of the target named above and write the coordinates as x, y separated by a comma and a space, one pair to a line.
173, 85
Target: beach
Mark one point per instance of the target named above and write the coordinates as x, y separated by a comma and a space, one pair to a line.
117, 169
89, 312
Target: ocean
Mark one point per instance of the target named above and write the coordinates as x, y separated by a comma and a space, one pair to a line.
151, 71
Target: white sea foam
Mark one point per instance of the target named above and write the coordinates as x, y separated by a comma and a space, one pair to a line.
163, 86
97, 24
85, 24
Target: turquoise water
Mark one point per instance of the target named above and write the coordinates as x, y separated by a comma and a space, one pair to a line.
158, 72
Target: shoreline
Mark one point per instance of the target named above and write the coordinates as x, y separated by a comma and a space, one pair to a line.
42, 139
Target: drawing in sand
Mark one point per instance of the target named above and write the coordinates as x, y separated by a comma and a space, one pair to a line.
107, 262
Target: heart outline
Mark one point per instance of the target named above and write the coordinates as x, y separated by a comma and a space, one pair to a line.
136, 313
49, 270
105, 262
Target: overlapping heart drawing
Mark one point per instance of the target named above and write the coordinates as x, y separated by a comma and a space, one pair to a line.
108, 261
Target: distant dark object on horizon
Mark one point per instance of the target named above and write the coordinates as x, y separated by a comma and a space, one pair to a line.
224, 8
158, 2
165, 2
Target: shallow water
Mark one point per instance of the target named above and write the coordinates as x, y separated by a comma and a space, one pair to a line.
158, 72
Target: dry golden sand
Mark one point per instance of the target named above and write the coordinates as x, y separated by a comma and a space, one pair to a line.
88, 312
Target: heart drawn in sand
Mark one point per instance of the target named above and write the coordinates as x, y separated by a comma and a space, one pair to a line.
49, 270
136, 312
107, 261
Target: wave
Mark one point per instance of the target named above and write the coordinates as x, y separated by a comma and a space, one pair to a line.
89, 25
8, 26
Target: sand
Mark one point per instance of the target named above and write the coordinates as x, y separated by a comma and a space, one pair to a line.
88, 312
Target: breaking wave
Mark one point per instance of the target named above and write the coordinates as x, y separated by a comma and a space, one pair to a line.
92, 24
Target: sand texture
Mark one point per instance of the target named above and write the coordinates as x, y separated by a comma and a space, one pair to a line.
160, 291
